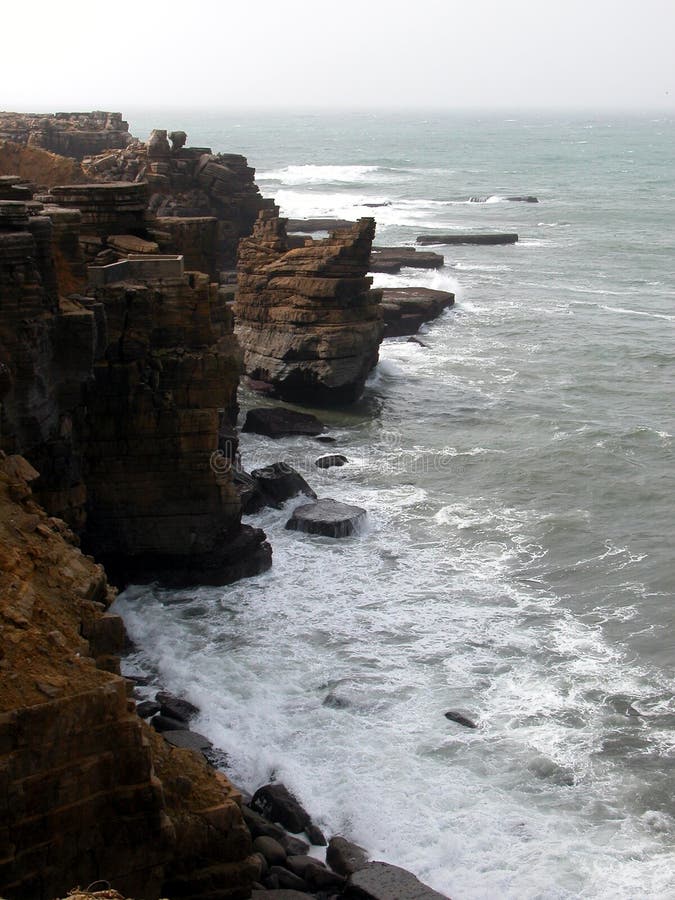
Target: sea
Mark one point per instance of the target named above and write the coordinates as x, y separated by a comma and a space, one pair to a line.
518, 562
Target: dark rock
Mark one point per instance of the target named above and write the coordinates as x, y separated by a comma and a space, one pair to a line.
375, 205
271, 850
299, 864
326, 439
271, 881
167, 723
414, 340
250, 495
382, 881
528, 199
275, 801
147, 708
260, 826
315, 835
319, 878
277, 422
327, 517
317, 224
187, 740
263, 865
406, 309
334, 459
345, 857
273, 894
178, 139
495, 238
392, 259
460, 719
279, 482
287, 879
176, 707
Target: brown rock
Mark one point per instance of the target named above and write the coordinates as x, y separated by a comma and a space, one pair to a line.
406, 309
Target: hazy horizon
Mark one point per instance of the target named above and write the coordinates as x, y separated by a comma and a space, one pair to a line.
441, 55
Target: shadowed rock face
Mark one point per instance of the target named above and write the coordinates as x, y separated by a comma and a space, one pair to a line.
308, 321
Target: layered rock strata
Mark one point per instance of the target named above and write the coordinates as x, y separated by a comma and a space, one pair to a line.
308, 321
88, 791
68, 134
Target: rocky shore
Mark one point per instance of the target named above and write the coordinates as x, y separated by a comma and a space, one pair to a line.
138, 283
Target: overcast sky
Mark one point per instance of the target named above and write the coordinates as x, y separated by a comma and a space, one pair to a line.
451, 54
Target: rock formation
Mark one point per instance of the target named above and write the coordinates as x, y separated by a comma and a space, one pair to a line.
68, 134
406, 309
88, 791
308, 321
38, 166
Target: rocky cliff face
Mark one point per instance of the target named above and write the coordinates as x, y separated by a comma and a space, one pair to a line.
308, 321
87, 791
68, 134
38, 166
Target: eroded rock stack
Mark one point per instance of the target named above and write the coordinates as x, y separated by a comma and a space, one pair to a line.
88, 790
69, 134
308, 321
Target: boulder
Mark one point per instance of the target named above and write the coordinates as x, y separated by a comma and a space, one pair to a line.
259, 826
176, 707
147, 708
167, 723
277, 421
332, 459
527, 199
287, 879
279, 894
275, 802
382, 881
327, 517
345, 857
460, 718
279, 482
271, 850
187, 740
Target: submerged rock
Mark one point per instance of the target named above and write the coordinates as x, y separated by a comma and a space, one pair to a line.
275, 801
279, 482
332, 459
277, 421
494, 238
392, 259
460, 718
327, 517
406, 309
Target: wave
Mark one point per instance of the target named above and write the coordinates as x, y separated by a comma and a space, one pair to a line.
315, 174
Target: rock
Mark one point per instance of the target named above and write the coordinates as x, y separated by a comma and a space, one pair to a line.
276, 894
392, 259
260, 826
277, 421
308, 321
327, 517
178, 139
496, 238
460, 718
406, 309
147, 708
528, 199
319, 878
271, 850
414, 340
345, 857
275, 802
325, 439
128, 243
167, 723
187, 740
279, 482
176, 707
158, 145
69, 134
334, 459
382, 881
315, 835
287, 879
309, 225
299, 864
251, 497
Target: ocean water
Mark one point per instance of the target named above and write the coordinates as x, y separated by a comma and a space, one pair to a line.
518, 562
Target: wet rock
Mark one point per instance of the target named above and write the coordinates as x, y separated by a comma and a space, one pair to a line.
287, 879
494, 238
260, 826
167, 723
299, 864
326, 439
275, 802
271, 850
283, 894
528, 199
319, 878
382, 881
315, 835
147, 708
392, 259
317, 224
250, 495
279, 482
345, 857
277, 422
414, 340
406, 309
187, 740
334, 459
176, 707
460, 718
327, 517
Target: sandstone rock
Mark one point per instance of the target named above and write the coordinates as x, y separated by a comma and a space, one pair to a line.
277, 421
176, 707
187, 740
345, 857
406, 309
334, 459
307, 319
392, 259
128, 243
147, 708
327, 517
178, 139
496, 238
158, 145
325, 224
68, 134
163, 723
381, 881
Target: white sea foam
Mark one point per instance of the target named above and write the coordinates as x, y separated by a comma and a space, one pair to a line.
315, 174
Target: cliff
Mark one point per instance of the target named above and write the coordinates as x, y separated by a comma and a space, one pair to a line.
41, 167
68, 134
308, 321
87, 790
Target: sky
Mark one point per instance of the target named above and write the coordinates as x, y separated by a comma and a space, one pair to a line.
346, 54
